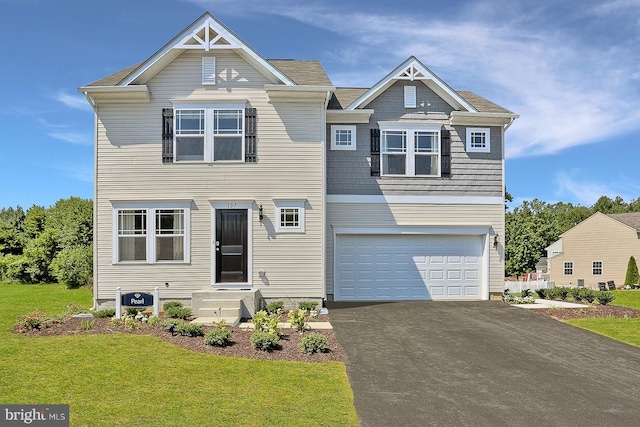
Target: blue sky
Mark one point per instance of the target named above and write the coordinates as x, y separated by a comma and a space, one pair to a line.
570, 69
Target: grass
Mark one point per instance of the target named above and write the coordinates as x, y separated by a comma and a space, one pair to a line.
126, 380
626, 330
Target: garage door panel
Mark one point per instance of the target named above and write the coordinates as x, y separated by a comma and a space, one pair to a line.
391, 267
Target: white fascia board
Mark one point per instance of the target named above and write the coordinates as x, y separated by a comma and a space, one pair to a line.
463, 230
170, 51
102, 93
299, 93
475, 119
430, 200
349, 116
429, 75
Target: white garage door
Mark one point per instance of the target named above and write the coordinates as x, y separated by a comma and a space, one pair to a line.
404, 267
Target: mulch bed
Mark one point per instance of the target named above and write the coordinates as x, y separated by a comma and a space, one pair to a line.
588, 312
240, 347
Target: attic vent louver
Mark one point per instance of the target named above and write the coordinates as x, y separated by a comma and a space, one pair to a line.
208, 70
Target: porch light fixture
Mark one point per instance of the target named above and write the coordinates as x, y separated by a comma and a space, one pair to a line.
495, 240
260, 213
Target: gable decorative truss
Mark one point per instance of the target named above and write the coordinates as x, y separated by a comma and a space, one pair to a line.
413, 70
206, 33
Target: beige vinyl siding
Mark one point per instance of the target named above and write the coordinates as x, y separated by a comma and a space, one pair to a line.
289, 166
380, 215
597, 238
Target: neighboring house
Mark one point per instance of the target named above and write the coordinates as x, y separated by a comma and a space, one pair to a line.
595, 250
217, 168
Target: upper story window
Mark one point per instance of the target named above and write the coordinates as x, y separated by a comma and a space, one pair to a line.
479, 140
209, 134
343, 137
596, 268
411, 151
568, 268
151, 234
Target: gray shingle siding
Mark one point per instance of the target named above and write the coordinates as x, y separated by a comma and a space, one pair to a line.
472, 174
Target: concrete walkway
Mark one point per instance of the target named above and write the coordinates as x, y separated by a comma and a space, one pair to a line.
546, 303
482, 364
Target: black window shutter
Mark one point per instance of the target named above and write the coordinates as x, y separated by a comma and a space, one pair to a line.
167, 135
250, 135
445, 152
375, 152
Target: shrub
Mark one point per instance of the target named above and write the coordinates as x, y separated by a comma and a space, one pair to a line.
274, 307
605, 297
189, 329
130, 322
542, 293
562, 292
264, 340
632, 277
298, 318
174, 322
153, 320
73, 308
73, 266
526, 293
576, 294
307, 305
171, 304
269, 322
178, 312
314, 343
29, 322
107, 312
87, 325
219, 336
588, 295
133, 311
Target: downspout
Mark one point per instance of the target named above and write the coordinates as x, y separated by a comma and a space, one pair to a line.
94, 106
508, 125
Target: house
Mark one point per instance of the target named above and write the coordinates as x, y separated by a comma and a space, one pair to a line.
595, 250
217, 169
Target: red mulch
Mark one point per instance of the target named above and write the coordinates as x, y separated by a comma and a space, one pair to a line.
240, 347
588, 312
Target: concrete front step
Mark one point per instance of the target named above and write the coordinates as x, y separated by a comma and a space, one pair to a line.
220, 303
218, 312
210, 321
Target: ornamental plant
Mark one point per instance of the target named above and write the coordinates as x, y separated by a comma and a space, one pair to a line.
219, 336
264, 340
298, 318
314, 343
632, 277
269, 322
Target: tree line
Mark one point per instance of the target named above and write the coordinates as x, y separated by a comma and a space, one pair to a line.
44, 245
534, 225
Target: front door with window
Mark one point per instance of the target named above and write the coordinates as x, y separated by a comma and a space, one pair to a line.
231, 246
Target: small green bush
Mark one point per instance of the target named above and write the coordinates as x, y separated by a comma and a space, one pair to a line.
87, 325
307, 305
73, 266
171, 304
605, 297
269, 322
542, 293
189, 329
314, 343
107, 312
562, 292
576, 294
153, 320
174, 322
274, 307
526, 293
264, 340
178, 312
35, 320
132, 311
219, 336
632, 277
587, 295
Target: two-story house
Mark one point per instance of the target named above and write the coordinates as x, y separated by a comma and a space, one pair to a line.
217, 169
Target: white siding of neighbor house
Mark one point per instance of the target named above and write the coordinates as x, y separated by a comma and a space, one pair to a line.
290, 151
597, 238
380, 215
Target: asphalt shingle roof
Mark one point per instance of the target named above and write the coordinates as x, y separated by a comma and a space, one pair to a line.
306, 73
630, 219
481, 104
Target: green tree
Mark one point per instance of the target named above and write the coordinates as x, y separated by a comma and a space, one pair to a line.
35, 221
12, 240
38, 256
73, 266
632, 277
72, 219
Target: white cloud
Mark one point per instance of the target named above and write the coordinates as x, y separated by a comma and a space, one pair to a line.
579, 186
77, 138
77, 102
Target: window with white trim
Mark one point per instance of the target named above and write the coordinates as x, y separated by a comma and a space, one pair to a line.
568, 268
410, 151
596, 268
479, 140
343, 137
289, 216
151, 234
209, 134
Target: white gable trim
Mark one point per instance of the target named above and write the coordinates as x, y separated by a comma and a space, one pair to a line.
188, 39
413, 70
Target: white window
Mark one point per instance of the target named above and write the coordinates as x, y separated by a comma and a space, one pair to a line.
208, 70
568, 268
410, 152
289, 216
596, 268
151, 234
410, 97
210, 134
479, 140
343, 137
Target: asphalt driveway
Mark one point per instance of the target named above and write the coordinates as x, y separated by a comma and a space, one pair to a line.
424, 363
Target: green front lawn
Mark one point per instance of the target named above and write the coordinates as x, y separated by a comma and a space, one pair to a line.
127, 380
625, 330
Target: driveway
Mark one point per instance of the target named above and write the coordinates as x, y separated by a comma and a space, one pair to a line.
422, 363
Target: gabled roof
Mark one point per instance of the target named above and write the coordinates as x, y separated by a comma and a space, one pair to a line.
343, 96
307, 73
629, 219
205, 33
412, 70
481, 104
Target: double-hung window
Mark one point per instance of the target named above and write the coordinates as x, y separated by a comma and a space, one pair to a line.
209, 133
596, 268
151, 234
568, 268
413, 151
